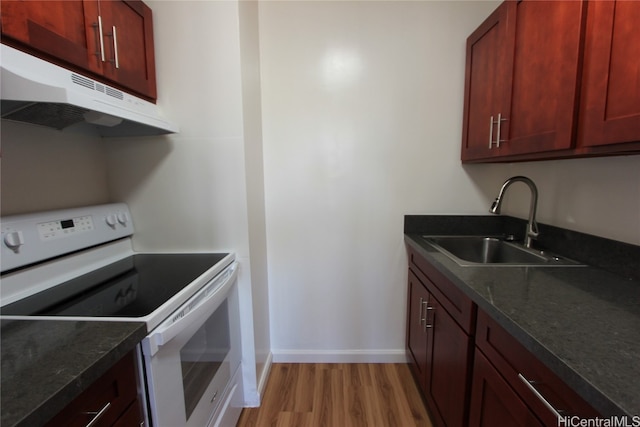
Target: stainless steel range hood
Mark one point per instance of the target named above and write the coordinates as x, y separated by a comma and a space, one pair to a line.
39, 92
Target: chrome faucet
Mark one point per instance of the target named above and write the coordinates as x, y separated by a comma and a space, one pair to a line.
532, 227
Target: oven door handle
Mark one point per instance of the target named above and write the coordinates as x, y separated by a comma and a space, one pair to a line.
199, 305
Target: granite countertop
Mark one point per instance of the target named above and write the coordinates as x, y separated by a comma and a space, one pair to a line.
47, 363
583, 323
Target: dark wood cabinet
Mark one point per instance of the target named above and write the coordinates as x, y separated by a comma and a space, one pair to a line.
417, 329
610, 105
62, 31
527, 380
439, 348
485, 91
472, 371
112, 400
129, 53
111, 41
448, 367
522, 80
547, 80
493, 401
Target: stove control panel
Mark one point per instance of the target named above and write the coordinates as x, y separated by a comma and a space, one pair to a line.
36, 237
65, 227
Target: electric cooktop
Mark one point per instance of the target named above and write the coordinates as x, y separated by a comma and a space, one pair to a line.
134, 286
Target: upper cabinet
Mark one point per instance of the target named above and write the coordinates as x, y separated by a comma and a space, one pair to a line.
610, 108
485, 94
111, 40
128, 45
522, 79
552, 79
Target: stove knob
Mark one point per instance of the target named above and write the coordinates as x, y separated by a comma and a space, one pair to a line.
123, 218
13, 240
112, 220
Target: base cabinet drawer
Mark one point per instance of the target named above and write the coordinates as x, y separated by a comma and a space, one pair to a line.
112, 400
538, 387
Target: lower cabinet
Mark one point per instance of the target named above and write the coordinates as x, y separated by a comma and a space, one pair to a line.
112, 400
503, 363
471, 371
494, 403
440, 352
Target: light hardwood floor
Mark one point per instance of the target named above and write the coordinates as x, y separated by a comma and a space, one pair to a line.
338, 395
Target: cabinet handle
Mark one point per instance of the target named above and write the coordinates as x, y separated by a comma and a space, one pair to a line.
557, 413
115, 47
490, 132
499, 123
97, 415
420, 318
100, 38
426, 316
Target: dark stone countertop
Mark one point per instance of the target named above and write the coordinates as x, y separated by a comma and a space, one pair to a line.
47, 363
583, 323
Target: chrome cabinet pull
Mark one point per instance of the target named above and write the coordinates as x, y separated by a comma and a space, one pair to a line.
97, 415
100, 38
499, 124
426, 316
498, 132
557, 413
490, 132
115, 47
420, 318
423, 317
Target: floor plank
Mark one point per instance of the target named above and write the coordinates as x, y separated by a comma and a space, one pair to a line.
339, 394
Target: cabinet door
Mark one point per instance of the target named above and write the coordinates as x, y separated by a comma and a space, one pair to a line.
448, 356
128, 34
416, 329
106, 400
132, 417
522, 79
544, 75
610, 110
493, 402
485, 90
59, 31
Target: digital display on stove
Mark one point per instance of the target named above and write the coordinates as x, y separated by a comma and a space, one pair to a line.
66, 223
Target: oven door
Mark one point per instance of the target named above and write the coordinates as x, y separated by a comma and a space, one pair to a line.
190, 357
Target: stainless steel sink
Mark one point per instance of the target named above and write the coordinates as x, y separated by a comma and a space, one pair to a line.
493, 251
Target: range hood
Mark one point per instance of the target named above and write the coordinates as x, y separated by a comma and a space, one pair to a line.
39, 92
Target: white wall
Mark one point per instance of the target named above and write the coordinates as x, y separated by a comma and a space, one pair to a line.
599, 196
362, 113
192, 191
254, 172
45, 169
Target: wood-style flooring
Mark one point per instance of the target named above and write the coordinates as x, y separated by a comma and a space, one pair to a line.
338, 395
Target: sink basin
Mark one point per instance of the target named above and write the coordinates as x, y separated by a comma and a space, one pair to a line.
492, 251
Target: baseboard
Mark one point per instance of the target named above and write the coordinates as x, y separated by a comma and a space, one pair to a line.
262, 381
339, 356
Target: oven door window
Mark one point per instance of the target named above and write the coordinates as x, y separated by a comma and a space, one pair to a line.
203, 355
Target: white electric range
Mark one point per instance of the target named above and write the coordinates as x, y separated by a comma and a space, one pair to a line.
78, 264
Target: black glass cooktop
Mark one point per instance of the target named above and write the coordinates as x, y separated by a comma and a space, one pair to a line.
132, 287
